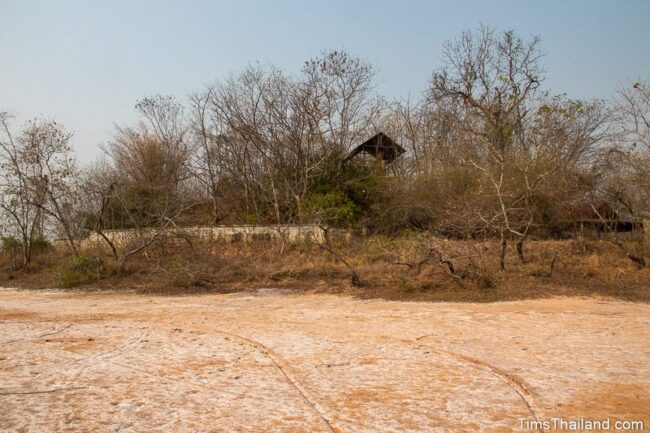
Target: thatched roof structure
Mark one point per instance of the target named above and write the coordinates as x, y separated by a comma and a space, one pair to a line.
380, 146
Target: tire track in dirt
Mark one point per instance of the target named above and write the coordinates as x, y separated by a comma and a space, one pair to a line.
45, 391
75, 360
284, 369
518, 385
45, 334
103, 356
192, 382
259, 347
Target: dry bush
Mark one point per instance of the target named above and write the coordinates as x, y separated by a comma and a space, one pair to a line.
415, 266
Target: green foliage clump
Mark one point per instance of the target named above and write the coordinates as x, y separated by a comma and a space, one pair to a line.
10, 245
405, 285
334, 208
41, 245
249, 217
81, 270
342, 195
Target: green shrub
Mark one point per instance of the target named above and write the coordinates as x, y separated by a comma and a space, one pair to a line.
332, 208
341, 195
81, 270
10, 245
41, 245
251, 218
405, 285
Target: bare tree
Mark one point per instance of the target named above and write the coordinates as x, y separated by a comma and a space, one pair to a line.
622, 168
24, 220
38, 181
490, 82
98, 187
208, 134
151, 162
632, 191
271, 136
502, 140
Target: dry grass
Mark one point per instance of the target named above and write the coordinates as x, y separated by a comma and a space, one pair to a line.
414, 267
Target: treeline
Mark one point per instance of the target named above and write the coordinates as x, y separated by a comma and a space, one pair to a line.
490, 152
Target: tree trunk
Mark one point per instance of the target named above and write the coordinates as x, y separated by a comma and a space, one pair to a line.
26, 255
70, 240
215, 210
108, 241
502, 255
520, 249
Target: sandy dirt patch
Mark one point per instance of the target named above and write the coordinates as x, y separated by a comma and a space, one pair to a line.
273, 361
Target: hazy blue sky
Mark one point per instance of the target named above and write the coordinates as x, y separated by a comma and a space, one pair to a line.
85, 63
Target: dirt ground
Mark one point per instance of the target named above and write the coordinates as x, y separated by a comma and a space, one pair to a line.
270, 361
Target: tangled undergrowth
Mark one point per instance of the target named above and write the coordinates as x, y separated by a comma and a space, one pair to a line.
412, 267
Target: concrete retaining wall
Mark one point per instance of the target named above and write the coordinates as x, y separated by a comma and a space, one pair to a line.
234, 233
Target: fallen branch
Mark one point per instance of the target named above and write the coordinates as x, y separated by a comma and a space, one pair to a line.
639, 261
355, 278
446, 265
553, 261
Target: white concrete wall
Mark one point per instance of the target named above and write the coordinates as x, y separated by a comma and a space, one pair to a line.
234, 233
